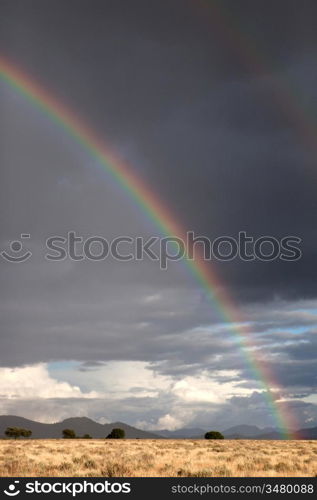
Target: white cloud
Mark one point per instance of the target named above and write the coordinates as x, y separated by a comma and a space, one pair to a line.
119, 379
130, 391
64, 390
208, 388
138, 379
169, 422
29, 382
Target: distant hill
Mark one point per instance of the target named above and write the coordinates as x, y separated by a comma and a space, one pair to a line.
253, 432
246, 431
81, 426
84, 425
184, 433
242, 431
310, 433
238, 431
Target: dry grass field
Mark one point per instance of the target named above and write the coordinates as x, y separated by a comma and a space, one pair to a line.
140, 458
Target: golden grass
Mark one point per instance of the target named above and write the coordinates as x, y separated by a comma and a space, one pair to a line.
141, 458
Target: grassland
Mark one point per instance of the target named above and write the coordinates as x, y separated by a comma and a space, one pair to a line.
140, 458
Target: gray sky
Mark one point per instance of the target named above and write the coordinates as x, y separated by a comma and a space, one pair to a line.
172, 88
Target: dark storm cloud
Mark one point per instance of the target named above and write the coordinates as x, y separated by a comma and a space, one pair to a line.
166, 86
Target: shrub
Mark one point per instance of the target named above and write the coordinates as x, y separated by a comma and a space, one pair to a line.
25, 433
116, 434
214, 435
69, 434
15, 432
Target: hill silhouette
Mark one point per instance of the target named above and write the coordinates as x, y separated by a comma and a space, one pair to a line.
84, 425
81, 426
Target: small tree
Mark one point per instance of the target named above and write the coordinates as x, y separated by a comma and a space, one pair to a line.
214, 435
13, 432
16, 432
69, 434
116, 434
86, 436
26, 433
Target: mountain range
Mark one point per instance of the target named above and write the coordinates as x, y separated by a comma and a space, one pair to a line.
81, 426
237, 432
84, 425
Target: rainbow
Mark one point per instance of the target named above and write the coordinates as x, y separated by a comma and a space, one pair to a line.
285, 96
157, 211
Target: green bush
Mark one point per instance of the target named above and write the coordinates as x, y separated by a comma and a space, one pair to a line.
69, 434
116, 434
16, 432
214, 435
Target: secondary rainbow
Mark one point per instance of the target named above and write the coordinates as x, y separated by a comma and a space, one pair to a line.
157, 211
284, 95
